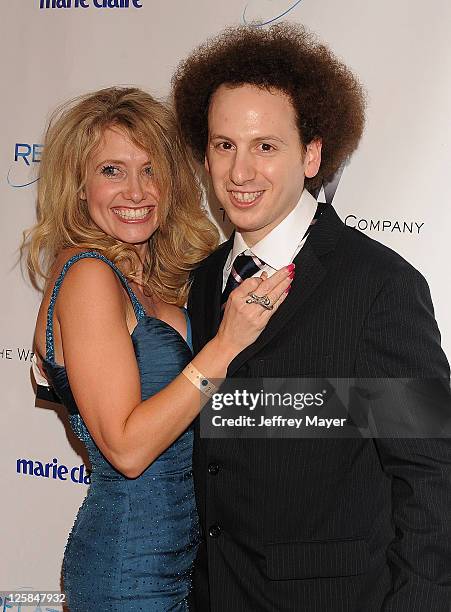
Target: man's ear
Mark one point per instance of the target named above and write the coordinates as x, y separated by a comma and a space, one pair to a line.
206, 164
312, 157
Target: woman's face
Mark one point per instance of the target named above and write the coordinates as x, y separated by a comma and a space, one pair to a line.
120, 190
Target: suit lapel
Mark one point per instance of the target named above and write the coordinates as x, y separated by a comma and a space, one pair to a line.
310, 272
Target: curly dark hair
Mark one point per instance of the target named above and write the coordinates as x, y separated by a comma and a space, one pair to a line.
328, 99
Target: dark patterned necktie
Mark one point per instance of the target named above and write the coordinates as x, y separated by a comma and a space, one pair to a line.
243, 267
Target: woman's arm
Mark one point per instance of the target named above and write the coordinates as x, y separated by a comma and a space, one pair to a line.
103, 372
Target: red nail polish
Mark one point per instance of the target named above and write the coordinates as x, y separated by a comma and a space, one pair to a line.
292, 274
291, 267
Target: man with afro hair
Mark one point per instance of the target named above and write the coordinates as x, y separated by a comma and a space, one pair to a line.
320, 524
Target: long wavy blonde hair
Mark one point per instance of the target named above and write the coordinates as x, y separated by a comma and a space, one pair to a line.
184, 236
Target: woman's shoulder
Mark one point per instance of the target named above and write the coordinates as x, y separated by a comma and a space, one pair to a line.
80, 291
82, 273
90, 265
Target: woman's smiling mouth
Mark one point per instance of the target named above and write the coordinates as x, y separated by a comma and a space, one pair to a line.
133, 214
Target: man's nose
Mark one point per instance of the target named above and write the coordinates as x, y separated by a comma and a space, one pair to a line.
242, 169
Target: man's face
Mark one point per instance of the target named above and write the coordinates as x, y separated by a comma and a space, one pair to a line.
255, 157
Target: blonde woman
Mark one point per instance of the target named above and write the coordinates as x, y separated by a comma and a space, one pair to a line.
119, 230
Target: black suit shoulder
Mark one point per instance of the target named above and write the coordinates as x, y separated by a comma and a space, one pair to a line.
399, 329
367, 256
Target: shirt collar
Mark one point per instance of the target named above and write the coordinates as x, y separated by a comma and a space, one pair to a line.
277, 249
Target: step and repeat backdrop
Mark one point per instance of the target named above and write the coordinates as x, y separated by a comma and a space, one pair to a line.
394, 190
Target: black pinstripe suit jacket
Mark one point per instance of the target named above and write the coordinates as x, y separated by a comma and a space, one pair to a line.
325, 525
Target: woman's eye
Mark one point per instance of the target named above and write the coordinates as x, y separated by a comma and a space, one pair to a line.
225, 146
109, 171
148, 170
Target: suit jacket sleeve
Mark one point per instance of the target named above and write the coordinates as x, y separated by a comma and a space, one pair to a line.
401, 339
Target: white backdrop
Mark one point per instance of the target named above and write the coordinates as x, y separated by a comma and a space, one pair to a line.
393, 188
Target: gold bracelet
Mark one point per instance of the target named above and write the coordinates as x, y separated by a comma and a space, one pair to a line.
200, 381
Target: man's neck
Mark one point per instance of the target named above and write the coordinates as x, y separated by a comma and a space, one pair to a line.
253, 237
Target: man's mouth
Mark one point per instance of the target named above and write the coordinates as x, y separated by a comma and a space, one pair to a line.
246, 196
133, 214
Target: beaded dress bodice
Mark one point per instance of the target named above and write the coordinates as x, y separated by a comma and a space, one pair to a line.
137, 536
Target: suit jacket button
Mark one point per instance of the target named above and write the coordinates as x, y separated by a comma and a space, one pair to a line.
213, 468
214, 531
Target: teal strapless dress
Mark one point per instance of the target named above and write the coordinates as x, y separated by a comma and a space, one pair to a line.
134, 540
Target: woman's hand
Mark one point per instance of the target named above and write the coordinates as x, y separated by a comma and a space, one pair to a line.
242, 323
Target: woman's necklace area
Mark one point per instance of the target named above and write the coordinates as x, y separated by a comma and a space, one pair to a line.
149, 302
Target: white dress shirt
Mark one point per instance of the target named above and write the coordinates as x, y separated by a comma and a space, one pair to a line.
282, 244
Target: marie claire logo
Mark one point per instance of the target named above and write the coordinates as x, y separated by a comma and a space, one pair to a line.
384, 225
22, 172
84, 4
263, 12
54, 470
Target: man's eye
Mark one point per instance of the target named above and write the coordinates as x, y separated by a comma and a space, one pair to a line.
109, 171
148, 170
266, 147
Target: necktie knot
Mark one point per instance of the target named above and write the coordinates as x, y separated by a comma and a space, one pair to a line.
243, 267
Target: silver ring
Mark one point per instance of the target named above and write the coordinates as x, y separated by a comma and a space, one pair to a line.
261, 300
